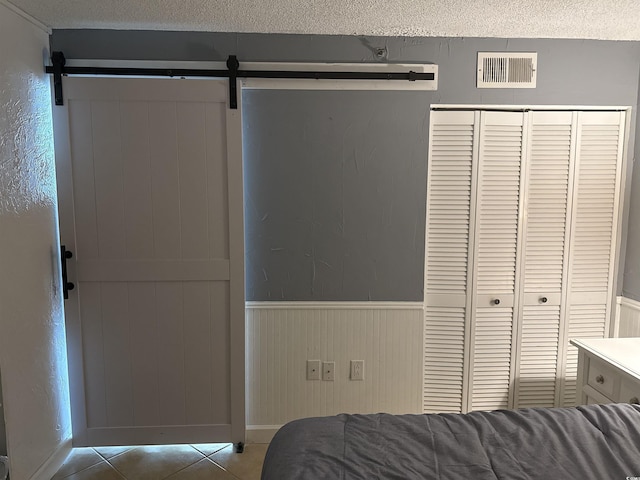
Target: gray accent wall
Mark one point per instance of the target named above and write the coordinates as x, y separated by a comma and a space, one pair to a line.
335, 181
334, 194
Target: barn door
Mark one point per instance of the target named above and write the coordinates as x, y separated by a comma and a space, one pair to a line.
150, 187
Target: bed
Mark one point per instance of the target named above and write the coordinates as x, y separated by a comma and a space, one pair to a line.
594, 442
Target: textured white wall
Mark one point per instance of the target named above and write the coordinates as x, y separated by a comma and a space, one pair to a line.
32, 339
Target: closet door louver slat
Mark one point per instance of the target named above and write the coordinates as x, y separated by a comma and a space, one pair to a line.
446, 258
496, 240
536, 383
545, 257
594, 233
586, 321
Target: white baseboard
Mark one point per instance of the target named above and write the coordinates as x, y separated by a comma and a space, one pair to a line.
261, 433
49, 468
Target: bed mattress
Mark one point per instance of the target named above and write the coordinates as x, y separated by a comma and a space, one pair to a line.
598, 442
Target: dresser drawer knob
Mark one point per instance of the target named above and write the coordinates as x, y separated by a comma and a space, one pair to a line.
496, 301
635, 401
600, 379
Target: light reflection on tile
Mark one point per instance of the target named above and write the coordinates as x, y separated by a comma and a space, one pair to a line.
171, 462
204, 469
101, 471
210, 448
108, 452
155, 462
247, 465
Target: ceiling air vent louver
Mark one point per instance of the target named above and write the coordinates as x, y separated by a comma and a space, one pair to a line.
507, 70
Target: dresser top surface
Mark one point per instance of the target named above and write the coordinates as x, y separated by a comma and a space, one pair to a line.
624, 353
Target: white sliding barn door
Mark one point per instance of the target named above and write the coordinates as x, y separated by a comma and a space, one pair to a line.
594, 233
451, 187
496, 270
150, 186
548, 187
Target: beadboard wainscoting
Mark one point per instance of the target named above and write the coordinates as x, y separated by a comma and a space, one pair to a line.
627, 317
282, 336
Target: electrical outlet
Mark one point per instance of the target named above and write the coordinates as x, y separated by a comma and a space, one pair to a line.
357, 370
328, 371
313, 369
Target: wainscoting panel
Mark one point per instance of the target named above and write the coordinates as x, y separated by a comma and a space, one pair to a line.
628, 317
282, 336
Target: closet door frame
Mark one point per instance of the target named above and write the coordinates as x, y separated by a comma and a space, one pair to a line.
620, 214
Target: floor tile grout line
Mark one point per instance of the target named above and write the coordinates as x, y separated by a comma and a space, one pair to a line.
107, 461
222, 468
115, 456
114, 467
100, 455
187, 466
226, 445
82, 469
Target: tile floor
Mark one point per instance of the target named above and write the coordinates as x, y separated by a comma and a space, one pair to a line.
213, 461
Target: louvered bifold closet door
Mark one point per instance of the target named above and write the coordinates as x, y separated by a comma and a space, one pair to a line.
495, 266
594, 233
545, 256
449, 210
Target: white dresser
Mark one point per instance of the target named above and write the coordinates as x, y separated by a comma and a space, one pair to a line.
608, 370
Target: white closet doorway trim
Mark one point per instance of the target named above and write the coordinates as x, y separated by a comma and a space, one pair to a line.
505, 186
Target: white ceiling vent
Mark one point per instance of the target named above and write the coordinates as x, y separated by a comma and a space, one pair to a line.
507, 70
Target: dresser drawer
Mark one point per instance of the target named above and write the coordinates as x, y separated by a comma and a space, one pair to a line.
629, 392
601, 377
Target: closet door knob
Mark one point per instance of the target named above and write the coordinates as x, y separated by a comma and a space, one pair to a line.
600, 379
496, 301
544, 300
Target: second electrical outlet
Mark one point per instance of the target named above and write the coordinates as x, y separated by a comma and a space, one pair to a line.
328, 371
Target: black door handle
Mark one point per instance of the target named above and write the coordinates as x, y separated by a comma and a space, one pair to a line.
66, 286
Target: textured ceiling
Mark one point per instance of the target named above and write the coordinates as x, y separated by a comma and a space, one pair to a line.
603, 19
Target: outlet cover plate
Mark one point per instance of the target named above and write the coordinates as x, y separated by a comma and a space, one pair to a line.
328, 371
357, 370
313, 369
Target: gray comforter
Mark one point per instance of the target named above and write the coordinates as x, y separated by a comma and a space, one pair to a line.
596, 442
